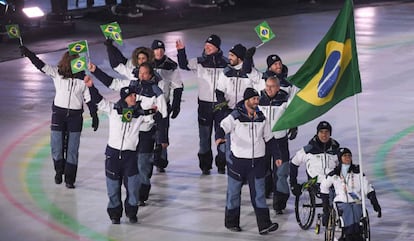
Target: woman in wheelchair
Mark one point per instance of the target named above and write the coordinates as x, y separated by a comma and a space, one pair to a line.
345, 179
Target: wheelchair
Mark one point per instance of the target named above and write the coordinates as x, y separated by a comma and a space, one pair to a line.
305, 204
333, 230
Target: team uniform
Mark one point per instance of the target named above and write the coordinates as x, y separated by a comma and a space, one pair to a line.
207, 68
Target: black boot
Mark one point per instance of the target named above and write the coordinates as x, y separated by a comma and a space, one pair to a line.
205, 162
59, 169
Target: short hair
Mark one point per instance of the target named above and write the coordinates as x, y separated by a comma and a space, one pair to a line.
149, 67
275, 79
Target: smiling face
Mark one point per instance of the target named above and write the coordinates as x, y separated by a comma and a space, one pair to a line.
324, 135
276, 67
272, 86
233, 59
210, 49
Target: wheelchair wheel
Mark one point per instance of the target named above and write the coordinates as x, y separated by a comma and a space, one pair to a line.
366, 232
331, 233
305, 209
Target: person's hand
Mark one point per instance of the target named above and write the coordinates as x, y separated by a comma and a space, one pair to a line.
23, 50
95, 121
292, 133
108, 42
220, 141
179, 44
278, 162
164, 145
88, 81
296, 189
250, 52
91, 67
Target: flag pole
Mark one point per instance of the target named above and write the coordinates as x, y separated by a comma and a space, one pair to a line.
260, 45
361, 172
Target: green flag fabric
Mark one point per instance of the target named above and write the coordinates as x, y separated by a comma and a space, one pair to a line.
13, 31
329, 75
78, 47
113, 31
264, 32
127, 114
78, 64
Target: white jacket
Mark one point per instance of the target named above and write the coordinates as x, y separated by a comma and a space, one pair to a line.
348, 188
70, 93
122, 135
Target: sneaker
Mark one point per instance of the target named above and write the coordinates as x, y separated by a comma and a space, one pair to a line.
234, 229
141, 203
133, 219
70, 185
221, 171
116, 220
160, 169
271, 228
58, 179
206, 172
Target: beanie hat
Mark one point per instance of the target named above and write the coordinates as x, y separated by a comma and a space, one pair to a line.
126, 91
249, 93
343, 151
214, 40
238, 50
157, 44
324, 125
271, 59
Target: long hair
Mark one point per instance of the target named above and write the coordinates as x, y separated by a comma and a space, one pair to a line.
64, 67
144, 50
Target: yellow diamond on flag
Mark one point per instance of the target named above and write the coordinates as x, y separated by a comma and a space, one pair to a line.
78, 47
78, 64
264, 32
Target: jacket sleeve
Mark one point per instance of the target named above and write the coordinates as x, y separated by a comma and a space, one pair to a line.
103, 77
182, 59
38, 63
115, 56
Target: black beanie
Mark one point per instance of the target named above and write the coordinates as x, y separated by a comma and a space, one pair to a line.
342, 151
126, 91
324, 125
238, 50
214, 40
271, 59
157, 44
249, 93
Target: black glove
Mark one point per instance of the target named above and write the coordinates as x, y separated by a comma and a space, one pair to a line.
109, 42
250, 52
292, 133
24, 51
296, 189
374, 201
175, 107
95, 121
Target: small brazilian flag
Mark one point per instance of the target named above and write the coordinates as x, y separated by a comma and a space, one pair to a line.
113, 31
13, 31
264, 32
78, 64
127, 114
78, 47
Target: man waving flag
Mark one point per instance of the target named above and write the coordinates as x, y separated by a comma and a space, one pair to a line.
329, 75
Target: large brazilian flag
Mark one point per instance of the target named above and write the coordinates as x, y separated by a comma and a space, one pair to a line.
329, 75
